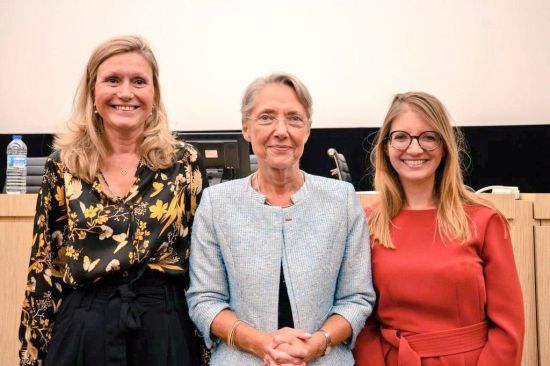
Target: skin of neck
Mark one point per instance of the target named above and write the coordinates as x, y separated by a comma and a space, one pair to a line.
419, 195
123, 152
279, 184
124, 142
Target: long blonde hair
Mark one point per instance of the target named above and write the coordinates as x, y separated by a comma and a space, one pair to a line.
83, 145
450, 192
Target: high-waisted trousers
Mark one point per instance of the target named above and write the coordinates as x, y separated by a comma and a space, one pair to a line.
126, 322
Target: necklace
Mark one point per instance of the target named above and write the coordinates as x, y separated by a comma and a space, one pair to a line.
266, 202
125, 170
111, 193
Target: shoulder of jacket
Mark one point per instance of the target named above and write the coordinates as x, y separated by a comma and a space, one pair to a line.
330, 186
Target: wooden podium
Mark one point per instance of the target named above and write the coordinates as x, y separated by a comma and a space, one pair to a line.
16, 217
529, 218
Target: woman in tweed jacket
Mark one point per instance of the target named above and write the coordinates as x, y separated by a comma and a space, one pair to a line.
280, 260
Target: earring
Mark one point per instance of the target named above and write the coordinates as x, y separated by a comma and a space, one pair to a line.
95, 111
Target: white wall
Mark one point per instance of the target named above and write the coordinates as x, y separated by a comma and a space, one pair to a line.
487, 60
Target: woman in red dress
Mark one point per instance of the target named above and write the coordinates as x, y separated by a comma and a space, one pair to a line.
442, 260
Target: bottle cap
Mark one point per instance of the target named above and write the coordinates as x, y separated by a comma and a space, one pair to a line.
16, 137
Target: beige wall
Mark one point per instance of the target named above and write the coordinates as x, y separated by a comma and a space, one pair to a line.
488, 61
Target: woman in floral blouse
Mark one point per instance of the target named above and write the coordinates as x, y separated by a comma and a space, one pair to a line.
109, 262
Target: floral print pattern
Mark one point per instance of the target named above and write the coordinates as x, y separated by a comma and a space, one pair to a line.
82, 235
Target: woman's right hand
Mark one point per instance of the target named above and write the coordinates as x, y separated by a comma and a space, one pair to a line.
287, 347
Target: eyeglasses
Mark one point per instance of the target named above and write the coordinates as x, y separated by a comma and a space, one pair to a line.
401, 140
266, 119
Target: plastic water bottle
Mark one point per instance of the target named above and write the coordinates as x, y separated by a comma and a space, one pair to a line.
16, 172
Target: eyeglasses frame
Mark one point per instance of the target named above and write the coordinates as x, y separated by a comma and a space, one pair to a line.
411, 138
277, 120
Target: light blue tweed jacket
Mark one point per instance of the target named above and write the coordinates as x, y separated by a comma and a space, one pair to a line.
237, 247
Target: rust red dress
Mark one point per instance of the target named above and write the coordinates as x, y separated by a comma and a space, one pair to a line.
443, 303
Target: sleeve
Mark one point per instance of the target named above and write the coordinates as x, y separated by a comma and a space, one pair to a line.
208, 293
368, 347
355, 296
198, 182
504, 298
45, 288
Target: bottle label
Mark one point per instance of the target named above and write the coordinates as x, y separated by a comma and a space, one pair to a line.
17, 161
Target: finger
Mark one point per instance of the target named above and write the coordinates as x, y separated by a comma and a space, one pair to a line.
268, 361
300, 333
304, 335
283, 338
284, 356
296, 348
290, 337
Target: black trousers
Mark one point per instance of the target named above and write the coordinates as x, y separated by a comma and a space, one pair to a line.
128, 321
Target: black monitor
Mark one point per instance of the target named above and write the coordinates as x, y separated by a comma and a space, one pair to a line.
226, 155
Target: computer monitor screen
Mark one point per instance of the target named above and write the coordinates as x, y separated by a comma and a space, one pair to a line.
226, 155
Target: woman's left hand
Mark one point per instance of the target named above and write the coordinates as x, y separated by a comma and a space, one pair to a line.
295, 343
268, 361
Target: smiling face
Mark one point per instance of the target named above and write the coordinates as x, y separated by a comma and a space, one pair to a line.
124, 92
415, 166
281, 144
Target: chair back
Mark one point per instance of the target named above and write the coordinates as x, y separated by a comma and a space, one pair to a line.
35, 172
342, 170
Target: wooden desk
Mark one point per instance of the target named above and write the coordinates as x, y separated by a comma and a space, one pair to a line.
16, 217
541, 216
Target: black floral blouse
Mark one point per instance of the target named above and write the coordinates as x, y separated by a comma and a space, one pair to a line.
81, 235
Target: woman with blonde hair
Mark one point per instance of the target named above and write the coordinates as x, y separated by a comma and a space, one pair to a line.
442, 260
109, 262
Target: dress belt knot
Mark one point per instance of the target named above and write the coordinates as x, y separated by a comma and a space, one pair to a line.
123, 313
130, 310
412, 348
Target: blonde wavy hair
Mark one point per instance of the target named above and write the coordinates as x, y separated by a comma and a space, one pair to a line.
450, 193
83, 146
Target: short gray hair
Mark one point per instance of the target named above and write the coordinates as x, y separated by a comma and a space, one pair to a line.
292, 81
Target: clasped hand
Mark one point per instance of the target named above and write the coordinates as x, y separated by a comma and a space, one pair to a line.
291, 346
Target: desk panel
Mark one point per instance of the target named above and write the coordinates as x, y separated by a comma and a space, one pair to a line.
16, 217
